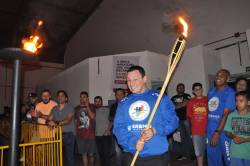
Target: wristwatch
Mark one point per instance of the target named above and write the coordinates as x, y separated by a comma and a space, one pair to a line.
217, 131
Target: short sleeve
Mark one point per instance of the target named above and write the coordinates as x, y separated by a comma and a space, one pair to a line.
228, 127
112, 112
189, 109
230, 101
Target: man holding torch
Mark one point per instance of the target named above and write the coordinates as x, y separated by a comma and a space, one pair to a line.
131, 120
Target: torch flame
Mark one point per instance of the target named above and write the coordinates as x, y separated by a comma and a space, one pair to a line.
185, 26
40, 23
32, 44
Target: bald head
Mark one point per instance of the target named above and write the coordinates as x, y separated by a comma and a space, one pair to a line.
225, 71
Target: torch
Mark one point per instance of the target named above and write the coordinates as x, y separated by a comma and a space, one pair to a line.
174, 58
28, 52
33, 43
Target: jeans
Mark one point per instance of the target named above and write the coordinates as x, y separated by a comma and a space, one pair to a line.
105, 147
68, 140
118, 152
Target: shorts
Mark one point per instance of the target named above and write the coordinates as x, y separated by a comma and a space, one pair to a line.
86, 146
199, 143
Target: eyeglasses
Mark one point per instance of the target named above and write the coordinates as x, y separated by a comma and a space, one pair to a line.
197, 89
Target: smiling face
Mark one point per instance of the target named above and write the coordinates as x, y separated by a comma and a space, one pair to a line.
136, 83
221, 78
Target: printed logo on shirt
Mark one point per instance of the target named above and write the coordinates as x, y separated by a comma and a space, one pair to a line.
241, 126
139, 110
215, 117
178, 100
137, 127
84, 120
213, 104
200, 110
227, 145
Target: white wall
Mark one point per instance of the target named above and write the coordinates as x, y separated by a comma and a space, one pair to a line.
190, 69
231, 61
85, 76
229, 56
32, 75
196, 65
248, 39
212, 63
157, 63
73, 81
134, 25
102, 84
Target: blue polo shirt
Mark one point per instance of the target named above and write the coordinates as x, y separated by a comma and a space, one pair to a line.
217, 102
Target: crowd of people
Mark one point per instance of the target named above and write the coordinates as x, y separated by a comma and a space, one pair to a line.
218, 125
215, 127
86, 128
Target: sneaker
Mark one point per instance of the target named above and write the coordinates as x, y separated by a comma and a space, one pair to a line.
184, 158
181, 158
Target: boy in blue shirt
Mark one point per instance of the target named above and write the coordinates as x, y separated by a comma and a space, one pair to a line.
131, 119
221, 102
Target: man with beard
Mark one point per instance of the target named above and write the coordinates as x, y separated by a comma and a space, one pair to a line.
43, 109
221, 102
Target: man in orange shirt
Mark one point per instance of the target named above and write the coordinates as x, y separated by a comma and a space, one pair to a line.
41, 113
43, 109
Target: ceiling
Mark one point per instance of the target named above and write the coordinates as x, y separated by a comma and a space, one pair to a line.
62, 18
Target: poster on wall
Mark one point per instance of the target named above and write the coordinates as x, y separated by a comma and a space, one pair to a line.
120, 67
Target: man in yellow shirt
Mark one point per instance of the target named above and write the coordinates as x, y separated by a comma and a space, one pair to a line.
42, 112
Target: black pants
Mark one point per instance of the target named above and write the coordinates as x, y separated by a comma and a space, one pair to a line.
185, 147
161, 160
106, 150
